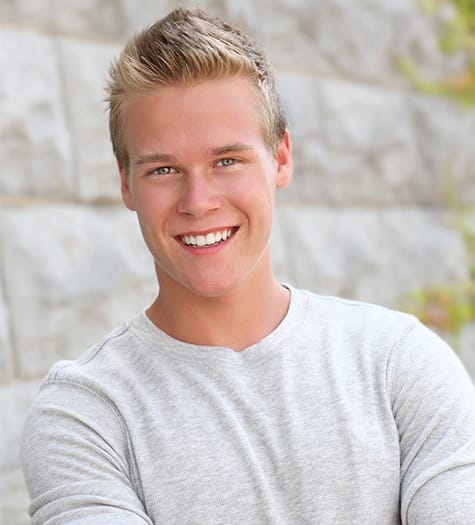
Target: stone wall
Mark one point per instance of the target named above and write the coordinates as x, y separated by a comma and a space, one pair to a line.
366, 216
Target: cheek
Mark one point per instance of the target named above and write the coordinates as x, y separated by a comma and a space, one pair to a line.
259, 194
152, 213
152, 201
256, 182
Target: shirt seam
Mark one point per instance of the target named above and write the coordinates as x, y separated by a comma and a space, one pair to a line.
393, 356
94, 352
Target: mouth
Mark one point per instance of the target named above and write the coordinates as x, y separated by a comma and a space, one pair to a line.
206, 240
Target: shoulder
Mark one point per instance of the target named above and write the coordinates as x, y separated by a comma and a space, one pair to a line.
351, 309
355, 321
96, 380
98, 361
376, 336
86, 390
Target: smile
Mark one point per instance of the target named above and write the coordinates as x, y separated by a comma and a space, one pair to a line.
210, 239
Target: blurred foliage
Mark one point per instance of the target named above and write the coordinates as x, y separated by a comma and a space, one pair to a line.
444, 308
447, 308
457, 34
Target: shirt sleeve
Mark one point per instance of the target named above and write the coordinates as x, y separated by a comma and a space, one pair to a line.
433, 402
75, 458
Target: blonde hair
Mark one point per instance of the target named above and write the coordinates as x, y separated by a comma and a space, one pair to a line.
185, 47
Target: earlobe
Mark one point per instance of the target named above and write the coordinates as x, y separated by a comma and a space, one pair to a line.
125, 188
284, 161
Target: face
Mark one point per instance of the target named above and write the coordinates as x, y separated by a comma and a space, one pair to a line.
202, 182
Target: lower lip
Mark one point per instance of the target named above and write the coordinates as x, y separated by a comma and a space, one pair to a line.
208, 250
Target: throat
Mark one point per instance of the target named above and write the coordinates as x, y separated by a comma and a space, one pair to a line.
236, 325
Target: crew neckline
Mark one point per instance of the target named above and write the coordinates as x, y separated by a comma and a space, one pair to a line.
160, 341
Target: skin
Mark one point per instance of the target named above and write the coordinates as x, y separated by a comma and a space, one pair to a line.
199, 164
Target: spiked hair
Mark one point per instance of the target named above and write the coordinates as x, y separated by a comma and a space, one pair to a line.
185, 47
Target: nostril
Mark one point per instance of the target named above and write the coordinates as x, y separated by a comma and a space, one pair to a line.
197, 202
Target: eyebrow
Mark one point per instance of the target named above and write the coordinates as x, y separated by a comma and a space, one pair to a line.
152, 158
230, 148
165, 157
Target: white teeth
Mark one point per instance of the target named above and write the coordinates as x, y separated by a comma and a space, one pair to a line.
208, 240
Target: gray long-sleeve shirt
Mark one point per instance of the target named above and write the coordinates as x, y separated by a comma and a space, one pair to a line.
346, 413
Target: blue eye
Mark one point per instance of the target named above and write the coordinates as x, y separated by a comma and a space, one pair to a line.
164, 170
227, 162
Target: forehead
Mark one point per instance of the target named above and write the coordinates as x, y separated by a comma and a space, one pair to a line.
192, 115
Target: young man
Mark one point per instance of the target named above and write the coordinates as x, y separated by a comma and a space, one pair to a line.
234, 399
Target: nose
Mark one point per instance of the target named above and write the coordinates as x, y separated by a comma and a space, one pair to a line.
199, 195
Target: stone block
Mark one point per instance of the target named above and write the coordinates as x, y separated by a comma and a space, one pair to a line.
419, 43
6, 351
370, 255
14, 498
15, 400
85, 69
80, 18
71, 275
445, 138
354, 145
141, 13
34, 141
362, 40
301, 97
362, 49
466, 349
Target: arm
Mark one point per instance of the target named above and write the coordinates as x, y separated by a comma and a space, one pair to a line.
75, 460
434, 408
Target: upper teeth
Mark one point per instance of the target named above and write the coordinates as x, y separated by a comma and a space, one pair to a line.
208, 239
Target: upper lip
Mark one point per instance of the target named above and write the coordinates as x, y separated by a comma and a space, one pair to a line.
205, 232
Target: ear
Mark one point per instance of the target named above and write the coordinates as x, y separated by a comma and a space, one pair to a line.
125, 188
283, 157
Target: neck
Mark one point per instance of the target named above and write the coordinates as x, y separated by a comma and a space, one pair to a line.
234, 320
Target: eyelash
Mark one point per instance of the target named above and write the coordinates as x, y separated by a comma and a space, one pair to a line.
168, 170
159, 171
224, 162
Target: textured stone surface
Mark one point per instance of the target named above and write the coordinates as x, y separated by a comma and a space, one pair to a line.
15, 400
341, 36
369, 255
357, 145
353, 145
81, 273
85, 67
80, 18
445, 138
352, 25
14, 499
35, 152
466, 349
6, 351
140, 13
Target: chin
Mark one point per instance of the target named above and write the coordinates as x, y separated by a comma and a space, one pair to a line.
204, 284
211, 288
211, 292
